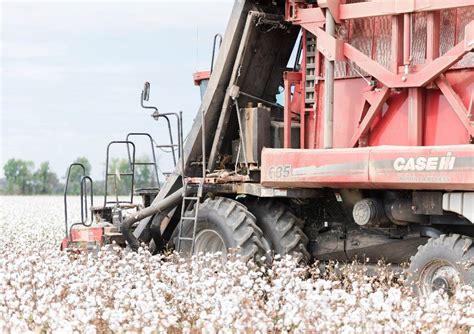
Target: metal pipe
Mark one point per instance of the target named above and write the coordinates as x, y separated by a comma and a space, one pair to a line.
84, 180
406, 38
276, 105
242, 138
203, 135
329, 88
170, 132
299, 52
156, 114
65, 193
181, 137
166, 203
216, 37
155, 109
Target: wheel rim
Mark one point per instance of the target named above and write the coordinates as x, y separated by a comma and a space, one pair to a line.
439, 275
209, 241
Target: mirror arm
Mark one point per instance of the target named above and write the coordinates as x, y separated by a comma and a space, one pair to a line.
155, 113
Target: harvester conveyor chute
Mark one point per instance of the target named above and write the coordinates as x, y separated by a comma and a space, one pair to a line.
234, 67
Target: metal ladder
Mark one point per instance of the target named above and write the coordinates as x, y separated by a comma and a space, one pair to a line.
188, 201
310, 53
192, 200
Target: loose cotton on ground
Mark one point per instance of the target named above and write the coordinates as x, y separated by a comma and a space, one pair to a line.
42, 288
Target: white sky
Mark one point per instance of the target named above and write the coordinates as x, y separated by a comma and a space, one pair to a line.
72, 72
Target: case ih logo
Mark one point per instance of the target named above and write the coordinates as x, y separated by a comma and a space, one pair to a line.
425, 163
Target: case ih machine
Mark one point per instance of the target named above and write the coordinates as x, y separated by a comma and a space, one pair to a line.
371, 155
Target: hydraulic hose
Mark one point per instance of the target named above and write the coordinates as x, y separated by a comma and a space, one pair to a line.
164, 204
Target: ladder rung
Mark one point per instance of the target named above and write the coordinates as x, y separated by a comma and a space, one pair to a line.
110, 174
191, 198
169, 146
144, 163
119, 202
188, 218
186, 239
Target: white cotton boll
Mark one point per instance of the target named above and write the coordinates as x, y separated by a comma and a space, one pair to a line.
406, 305
351, 300
123, 291
394, 295
327, 285
377, 299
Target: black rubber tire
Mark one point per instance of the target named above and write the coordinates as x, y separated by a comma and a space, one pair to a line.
281, 228
233, 223
455, 249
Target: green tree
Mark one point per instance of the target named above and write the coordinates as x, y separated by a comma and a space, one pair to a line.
76, 174
145, 176
119, 184
45, 181
19, 176
122, 184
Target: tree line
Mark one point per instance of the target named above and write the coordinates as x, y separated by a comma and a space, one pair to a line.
22, 178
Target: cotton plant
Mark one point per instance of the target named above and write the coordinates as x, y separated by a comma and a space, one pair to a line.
43, 289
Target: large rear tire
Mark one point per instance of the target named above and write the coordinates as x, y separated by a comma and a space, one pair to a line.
225, 224
281, 228
443, 263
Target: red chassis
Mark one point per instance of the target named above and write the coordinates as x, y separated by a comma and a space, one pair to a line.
84, 237
389, 167
403, 97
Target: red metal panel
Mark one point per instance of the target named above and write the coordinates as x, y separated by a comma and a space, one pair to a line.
347, 110
441, 126
419, 78
86, 234
415, 116
391, 128
413, 113
372, 37
315, 168
436, 167
376, 99
396, 56
464, 16
432, 33
380, 8
456, 103
200, 76
293, 101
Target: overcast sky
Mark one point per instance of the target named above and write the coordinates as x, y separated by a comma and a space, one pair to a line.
72, 73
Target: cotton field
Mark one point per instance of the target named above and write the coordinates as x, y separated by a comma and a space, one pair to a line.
45, 290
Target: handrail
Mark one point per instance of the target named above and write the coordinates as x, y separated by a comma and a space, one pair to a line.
216, 36
107, 174
65, 193
154, 163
